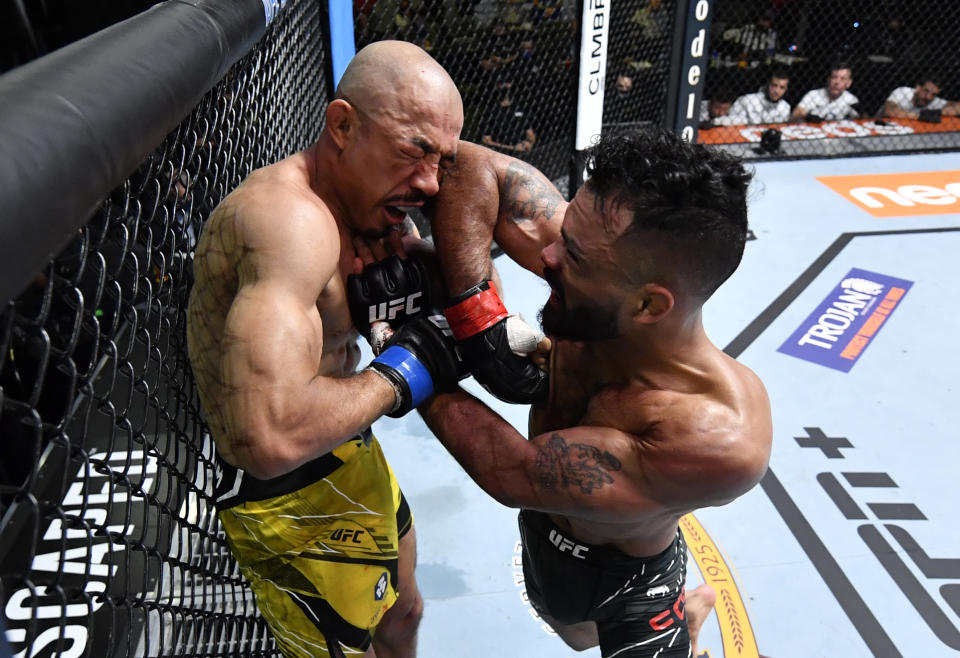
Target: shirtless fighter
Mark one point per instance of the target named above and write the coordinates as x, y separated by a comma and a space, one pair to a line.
309, 505
646, 419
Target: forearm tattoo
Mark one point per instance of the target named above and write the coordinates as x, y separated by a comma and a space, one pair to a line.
563, 465
525, 196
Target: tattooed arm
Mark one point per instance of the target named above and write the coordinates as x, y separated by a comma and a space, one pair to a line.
595, 473
485, 196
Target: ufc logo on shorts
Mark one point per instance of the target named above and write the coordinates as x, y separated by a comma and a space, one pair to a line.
564, 544
390, 310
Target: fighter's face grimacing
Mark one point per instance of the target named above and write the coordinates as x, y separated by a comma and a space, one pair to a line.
584, 273
399, 157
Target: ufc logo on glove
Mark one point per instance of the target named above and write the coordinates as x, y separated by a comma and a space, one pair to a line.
389, 310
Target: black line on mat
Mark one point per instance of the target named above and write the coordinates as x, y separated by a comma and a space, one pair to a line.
853, 605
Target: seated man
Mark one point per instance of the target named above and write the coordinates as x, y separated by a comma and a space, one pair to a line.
764, 106
830, 103
645, 419
718, 105
921, 102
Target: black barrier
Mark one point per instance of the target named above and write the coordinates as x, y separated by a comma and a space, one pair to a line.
109, 541
76, 122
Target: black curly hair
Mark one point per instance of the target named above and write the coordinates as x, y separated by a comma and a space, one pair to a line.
689, 202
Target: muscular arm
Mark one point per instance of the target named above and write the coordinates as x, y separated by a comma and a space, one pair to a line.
279, 412
590, 472
486, 196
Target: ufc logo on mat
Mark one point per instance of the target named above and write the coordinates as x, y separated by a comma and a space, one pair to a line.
564, 544
390, 310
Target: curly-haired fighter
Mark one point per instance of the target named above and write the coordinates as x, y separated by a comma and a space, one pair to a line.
646, 419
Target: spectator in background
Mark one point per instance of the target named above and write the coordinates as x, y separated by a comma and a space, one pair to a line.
621, 104
526, 69
832, 102
753, 43
717, 106
921, 102
651, 21
501, 48
764, 106
546, 10
510, 129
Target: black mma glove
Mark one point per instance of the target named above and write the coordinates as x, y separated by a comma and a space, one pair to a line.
419, 360
930, 116
705, 125
487, 337
393, 290
813, 118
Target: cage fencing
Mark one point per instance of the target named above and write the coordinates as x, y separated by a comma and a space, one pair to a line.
813, 78
109, 540
638, 67
514, 63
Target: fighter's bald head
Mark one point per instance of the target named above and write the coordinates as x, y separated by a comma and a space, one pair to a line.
386, 70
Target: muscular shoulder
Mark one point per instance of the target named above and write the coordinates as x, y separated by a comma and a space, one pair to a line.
281, 228
704, 448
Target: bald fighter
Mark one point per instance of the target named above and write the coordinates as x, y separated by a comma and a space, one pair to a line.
309, 505
646, 419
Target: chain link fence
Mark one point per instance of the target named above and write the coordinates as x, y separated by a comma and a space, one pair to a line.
813, 78
109, 540
638, 68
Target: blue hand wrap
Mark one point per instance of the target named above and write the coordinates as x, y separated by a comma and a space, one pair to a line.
412, 371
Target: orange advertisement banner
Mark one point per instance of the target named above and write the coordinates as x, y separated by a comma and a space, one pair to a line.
846, 128
900, 195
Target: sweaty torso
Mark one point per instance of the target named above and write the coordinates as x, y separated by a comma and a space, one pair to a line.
577, 399
228, 239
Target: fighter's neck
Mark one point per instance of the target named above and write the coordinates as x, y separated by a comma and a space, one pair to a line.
661, 354
319, 162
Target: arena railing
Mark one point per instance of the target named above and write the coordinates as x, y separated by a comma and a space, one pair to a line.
113, 150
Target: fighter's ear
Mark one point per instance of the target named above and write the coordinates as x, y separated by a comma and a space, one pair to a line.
653, 303
340, 121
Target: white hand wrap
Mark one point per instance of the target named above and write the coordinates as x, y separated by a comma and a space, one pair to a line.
522, 338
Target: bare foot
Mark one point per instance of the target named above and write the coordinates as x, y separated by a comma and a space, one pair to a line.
698, 605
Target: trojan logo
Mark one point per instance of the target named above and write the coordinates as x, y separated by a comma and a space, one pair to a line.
389, 310
899, 195
837, 332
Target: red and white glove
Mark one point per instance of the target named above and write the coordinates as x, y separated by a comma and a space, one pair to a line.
495, 344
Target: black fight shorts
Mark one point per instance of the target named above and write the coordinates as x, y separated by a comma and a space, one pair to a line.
637, 603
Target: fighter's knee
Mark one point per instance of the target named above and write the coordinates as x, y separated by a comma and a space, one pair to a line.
411, 620
402, 620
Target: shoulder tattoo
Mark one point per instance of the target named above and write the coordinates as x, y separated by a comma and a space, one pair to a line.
525, 196
565, 465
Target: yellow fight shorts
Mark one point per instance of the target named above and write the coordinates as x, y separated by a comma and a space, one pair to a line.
319, 545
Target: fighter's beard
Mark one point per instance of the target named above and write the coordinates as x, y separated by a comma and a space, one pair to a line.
582, 323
